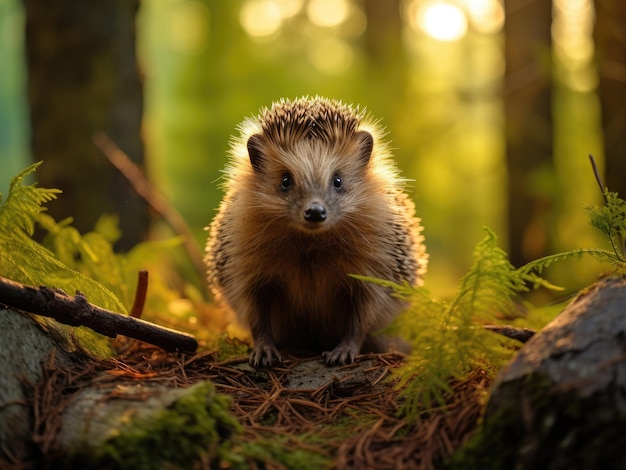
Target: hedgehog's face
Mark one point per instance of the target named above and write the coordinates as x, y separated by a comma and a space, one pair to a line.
312, 184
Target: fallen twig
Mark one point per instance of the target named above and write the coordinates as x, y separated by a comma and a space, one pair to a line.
77, 311
519, 334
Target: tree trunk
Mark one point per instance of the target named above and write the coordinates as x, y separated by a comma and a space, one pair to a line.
386, 56
527, 103
383, 36
610, 38
83, 77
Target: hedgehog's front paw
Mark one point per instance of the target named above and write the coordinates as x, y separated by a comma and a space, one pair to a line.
341, 355
264, 355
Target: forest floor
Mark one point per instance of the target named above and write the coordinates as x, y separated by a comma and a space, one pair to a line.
347, 416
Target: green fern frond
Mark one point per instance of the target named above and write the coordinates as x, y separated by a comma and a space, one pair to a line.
23, 203
92, 255
24, 260
70, 261
447, 338
540, 264
488, 288
610, 219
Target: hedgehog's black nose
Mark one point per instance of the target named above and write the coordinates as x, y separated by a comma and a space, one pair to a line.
315, 213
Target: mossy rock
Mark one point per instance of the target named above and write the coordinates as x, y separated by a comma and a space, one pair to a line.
25, 344
561, 403
152, 427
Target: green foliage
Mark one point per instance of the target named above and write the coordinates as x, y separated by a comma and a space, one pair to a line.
69, 260
492, 282
285, 453
93, 256
72, 262
26, 261
23, 203
447, 338
541, 264
228, 347
611, 220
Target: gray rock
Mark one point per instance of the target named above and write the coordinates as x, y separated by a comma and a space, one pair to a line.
24, 346
561, 403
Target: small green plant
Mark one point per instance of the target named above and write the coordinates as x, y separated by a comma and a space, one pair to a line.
24, 260
610, 219
70, 261
448, 338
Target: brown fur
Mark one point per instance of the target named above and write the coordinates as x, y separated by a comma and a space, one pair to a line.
286, 277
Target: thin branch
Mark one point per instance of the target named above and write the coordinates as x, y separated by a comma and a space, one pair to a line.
597, 175
622, 249
76, 311
140, 294
151, 195
519, 334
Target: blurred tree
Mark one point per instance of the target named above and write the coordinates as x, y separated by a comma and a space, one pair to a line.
384, 48
386, 66
83, 77
527, 103
610, 41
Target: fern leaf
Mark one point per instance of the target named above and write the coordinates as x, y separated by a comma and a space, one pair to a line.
447, 338
487, 289
23, 203
24, 260
540, 264
611, 220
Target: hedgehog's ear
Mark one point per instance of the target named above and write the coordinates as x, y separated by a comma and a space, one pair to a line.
255, 146
365, 143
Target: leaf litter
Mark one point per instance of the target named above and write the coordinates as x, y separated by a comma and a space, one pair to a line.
352, 419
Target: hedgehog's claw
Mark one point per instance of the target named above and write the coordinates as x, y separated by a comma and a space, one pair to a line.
341, 355
265, 355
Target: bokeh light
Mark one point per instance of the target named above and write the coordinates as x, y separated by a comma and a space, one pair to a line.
331, 55
441, 20
486, 16
448, 20
261, 18
572, 33
328, 13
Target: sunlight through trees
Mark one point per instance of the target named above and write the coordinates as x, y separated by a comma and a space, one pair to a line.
441, 75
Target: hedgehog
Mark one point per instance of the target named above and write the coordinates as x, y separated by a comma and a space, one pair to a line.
313, 196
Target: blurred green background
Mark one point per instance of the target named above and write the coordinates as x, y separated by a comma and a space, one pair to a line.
438, 74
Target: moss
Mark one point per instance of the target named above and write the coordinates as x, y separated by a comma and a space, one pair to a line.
496, 441
537, 425
284, 452
197, 427
228, 347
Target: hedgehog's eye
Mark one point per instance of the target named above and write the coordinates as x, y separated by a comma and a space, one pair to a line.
337, 183
285, 182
